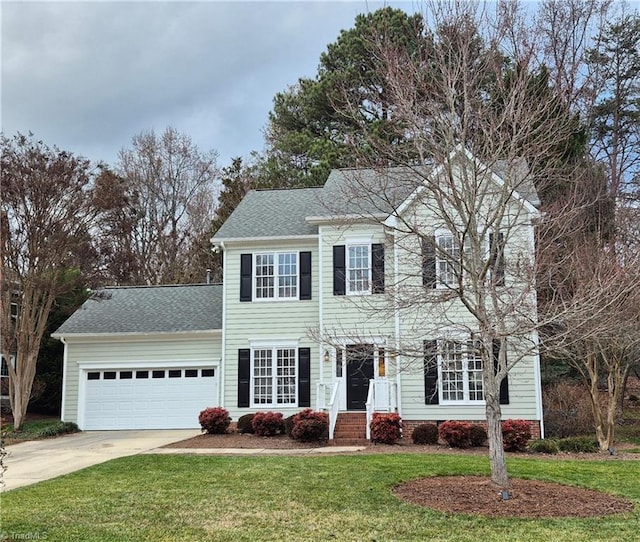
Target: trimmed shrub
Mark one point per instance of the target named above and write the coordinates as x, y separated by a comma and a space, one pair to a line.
455, 434
515, 435
310, 426
214, 421
477, 435
425, 433
386, 428
244, 424
580, 445
544, 446
267, 424
61, 428
288, 425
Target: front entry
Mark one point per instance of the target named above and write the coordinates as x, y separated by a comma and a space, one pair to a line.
359, 372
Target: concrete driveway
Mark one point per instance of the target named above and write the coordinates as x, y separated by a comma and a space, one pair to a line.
37, 460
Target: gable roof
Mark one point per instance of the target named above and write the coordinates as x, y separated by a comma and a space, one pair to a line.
148, 309
358, 193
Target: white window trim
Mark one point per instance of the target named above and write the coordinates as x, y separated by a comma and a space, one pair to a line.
357, 243
254, 281
460, 338
12, 360
263, 345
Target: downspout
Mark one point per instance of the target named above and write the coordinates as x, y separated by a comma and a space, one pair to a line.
536, 338
320, 309
64, 379
223, 353
396, 317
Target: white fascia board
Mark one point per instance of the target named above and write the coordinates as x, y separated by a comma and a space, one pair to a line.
329, 219
238, 240
159, 335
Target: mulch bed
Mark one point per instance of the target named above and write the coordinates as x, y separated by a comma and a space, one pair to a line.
460, 494
527, 499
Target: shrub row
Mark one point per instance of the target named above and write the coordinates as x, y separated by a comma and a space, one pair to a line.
386, 428
306, 426
515, 434
583, 445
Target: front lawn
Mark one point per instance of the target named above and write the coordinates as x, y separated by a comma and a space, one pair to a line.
269, 498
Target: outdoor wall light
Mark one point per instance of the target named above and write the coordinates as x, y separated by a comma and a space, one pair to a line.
327, 356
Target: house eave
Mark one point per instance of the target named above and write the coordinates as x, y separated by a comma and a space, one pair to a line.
332, 219
136, 334
220, 242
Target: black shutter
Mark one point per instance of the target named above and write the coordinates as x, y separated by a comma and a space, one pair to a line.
245, 277
305, 276
339, 270
431, 372
428, 261
244, 376
504, 385
304, 377
496, 258
377, 269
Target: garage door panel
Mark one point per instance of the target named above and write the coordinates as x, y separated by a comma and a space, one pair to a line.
130, 402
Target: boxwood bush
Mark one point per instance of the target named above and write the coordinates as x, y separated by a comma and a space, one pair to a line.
425, 433
244, 424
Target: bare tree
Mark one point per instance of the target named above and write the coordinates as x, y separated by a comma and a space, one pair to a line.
485, 132
168, 190
46, 217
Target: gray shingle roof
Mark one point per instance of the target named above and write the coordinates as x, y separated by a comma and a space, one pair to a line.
272, 213
151, 309
351, 191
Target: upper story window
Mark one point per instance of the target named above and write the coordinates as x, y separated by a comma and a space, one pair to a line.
358, 269
447, 260
275, 276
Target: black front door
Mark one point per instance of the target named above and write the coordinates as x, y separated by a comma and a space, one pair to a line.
359, 372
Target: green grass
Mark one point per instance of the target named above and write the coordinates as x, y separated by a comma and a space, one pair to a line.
270, 498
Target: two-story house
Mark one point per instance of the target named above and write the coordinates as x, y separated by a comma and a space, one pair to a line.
336, 298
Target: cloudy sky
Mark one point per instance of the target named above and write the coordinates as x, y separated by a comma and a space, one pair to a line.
87, 76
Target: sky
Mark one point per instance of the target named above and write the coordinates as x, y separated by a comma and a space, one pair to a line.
88, 76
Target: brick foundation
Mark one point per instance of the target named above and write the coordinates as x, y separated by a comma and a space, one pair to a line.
409, 425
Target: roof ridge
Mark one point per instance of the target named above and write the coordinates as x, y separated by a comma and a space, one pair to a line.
284, 188
149, 286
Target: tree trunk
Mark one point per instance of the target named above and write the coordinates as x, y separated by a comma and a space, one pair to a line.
497, 461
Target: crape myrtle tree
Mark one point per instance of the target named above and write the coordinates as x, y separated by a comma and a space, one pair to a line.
600, 280
47, 216
466, 111
600, 73
161, 197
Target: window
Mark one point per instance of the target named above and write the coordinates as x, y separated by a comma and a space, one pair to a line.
276, 275
460, 366
448, 260
358, 269
274, 376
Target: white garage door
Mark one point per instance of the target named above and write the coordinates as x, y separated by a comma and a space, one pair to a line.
148, 398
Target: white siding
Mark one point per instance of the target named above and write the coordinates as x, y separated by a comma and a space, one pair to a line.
286, 320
